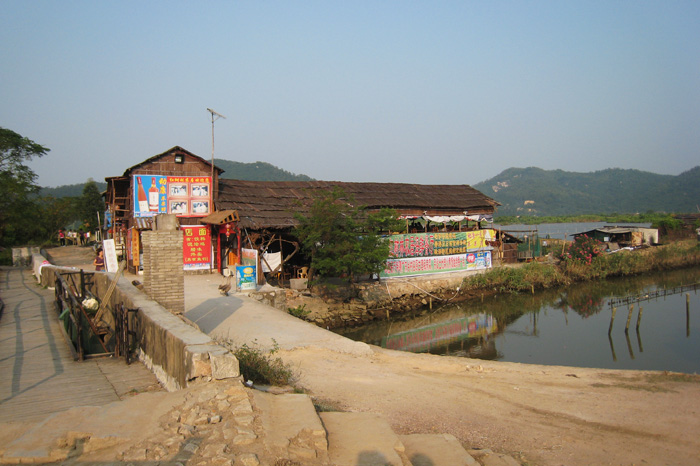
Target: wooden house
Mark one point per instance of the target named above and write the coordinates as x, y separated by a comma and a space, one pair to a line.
175, 182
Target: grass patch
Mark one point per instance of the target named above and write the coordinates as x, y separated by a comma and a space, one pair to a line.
299, 312
629, 386
675, 377
262, 367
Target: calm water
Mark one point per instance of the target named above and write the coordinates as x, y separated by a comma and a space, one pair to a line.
566, 327
561, 230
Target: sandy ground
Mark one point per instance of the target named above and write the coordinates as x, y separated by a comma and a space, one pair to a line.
546, 415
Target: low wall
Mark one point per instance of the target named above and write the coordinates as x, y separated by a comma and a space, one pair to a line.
177, 353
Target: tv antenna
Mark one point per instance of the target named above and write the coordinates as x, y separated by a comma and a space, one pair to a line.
214, 116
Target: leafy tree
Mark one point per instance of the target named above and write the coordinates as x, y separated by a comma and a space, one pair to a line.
56, 214
342, 239
90, 203
17, 188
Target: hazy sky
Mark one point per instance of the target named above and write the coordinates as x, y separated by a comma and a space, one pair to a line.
397, 91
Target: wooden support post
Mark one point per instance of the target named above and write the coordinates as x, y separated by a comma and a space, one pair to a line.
687, 314
629, 317
430, 300
612, 319
532, 287
639, 317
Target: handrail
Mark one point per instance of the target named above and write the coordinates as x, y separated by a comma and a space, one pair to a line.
69, 300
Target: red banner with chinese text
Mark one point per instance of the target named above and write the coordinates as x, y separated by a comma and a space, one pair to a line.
196, 247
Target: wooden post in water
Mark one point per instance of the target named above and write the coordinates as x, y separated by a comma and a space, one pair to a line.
533, 288
639, 317
612, 319
687, 315
430, 300
629, 317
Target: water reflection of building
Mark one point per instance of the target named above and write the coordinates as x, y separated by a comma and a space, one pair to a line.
440, 335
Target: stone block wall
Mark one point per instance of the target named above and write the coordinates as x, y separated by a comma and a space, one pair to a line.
175, 352
163, 274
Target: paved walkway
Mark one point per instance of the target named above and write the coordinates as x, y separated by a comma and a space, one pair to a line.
39, 375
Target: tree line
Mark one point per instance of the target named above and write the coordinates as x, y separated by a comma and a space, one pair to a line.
28, 218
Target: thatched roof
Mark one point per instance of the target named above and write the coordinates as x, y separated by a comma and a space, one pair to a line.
271, 204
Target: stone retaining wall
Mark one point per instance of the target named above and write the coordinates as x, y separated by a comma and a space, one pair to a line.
177, 353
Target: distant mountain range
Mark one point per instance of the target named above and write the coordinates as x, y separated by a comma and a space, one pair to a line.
254, 171
526, 191
536, 192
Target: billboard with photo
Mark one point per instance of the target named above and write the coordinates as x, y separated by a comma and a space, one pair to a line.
184, 196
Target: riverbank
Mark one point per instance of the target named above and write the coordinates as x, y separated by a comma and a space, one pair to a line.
339, 306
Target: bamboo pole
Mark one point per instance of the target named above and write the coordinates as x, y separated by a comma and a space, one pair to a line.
612, 319
629, 317
639, 317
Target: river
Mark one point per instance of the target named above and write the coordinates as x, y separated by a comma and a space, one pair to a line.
566, 326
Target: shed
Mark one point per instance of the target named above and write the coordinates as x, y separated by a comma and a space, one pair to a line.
623, 235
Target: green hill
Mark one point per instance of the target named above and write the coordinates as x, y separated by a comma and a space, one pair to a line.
256, 171
536, 192
69, 190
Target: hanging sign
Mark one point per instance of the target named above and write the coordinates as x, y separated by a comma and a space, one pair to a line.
438, 244
196, 247
424, 265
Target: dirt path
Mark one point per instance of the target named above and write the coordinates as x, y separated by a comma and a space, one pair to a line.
544, 415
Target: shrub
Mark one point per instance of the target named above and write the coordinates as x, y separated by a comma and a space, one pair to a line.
583, 250
263, 367
300, 311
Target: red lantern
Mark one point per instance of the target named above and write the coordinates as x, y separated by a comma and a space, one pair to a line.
228, 230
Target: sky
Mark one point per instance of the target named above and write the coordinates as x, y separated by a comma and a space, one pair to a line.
445, 92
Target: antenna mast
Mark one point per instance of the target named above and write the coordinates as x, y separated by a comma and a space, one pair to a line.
214, 116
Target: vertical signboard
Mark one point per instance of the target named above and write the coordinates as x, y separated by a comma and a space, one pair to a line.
196, 247
185, 196
110, 253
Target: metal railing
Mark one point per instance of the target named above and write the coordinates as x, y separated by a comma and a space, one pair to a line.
87, 336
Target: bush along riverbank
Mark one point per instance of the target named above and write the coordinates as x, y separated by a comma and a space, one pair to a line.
584, 260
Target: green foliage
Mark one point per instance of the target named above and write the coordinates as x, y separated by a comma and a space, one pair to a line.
341, 240
557, 192
257, 171
18, 213
540, 275
514, 279
69, 190
90, 204
262, 367
647, 217
300, 311
667, 225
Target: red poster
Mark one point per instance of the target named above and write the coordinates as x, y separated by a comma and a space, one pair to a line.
196, 246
